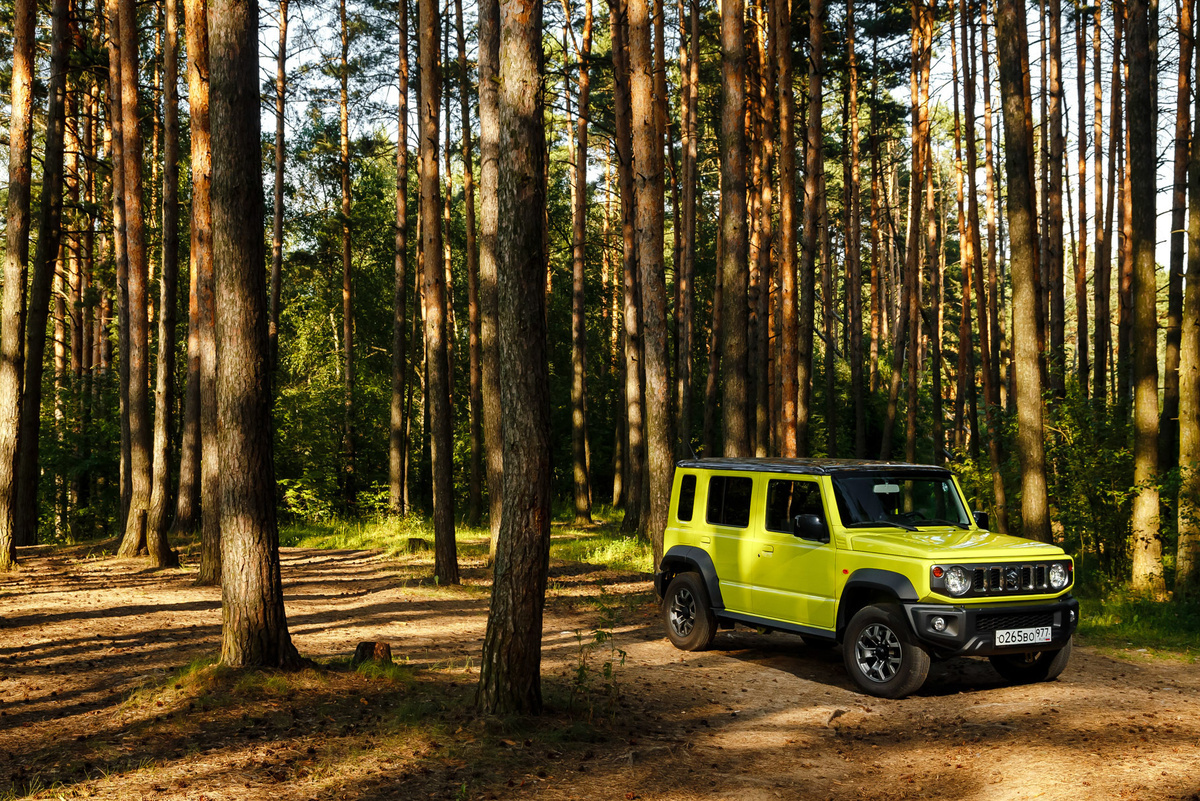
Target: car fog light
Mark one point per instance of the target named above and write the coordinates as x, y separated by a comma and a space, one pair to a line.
1059, 576
1072, 615
939, 624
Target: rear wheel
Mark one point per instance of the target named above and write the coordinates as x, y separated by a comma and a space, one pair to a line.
881, 655
691, 625
1032, 667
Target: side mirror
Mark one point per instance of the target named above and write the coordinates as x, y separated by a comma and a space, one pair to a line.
810, 527
981, 519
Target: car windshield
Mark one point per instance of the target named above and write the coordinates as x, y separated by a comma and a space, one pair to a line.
899, 500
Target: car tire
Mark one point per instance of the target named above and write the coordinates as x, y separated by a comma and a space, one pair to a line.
882, 656
1032, 667
687, 613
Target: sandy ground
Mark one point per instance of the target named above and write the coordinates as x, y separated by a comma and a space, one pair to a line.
94, 702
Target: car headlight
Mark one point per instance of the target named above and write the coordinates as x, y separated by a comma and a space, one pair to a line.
958, 581
1059, 576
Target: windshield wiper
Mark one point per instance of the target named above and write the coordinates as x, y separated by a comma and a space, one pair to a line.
882, 524
937, 521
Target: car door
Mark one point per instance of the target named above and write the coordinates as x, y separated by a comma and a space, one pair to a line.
728, 511
793, 577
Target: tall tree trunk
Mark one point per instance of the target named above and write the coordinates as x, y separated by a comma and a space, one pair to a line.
854, 243
1103, 272
966, 345
138, 295
441, 435
1169, 423
509, 680
120, 251
46, 255
712, 385
280, 159
255, 632
689, 67
993, 205
1054, 222
579, 428
156, 525
635, 500
1082, 368
814, 158
397, 444
16, 261
1147, 546
991, 390
489, 155
1187, 558
195, 20
1023, 237
475, 502
922, 42
787, 228
648, 169
349, 478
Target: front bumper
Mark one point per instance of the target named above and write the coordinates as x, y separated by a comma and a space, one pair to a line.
970, 630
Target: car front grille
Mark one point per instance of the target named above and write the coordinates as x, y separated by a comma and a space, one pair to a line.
997, 579
1024, 620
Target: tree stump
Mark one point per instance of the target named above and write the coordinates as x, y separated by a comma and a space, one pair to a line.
417, 544
378, 652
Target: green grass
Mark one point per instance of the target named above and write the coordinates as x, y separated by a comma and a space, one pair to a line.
600, 543
1122, 620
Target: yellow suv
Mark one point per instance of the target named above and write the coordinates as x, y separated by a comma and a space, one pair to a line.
880, 557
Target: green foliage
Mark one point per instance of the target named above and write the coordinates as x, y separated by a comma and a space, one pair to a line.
1124, 620
597, 661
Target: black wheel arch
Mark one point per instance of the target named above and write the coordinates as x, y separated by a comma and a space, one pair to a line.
868, 586
688, 558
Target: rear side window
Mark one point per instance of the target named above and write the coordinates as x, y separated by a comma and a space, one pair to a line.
729, 500
687, 498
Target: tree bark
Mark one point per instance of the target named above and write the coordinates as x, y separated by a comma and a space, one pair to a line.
349, 478
648, 169
635, 428
689, 67
787, 229
1082, 368
397, 444
991, 391
1147, 546
853, 244
1023, 238
733, 257
814, 167
1187, 557
138, 400
280, 159
475, 498
161, 554
510, 681
579, 428
438, 381
489, 155
254, 631
1169, 422
1054, 223
195, 20
16, 261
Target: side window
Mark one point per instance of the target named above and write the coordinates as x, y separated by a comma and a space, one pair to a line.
786, 499
729, 500
687, 498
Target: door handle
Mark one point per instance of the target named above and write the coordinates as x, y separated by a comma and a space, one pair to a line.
767, 550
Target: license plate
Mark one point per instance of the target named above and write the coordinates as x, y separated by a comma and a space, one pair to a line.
1023, 636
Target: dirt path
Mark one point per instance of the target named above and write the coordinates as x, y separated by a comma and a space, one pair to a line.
95, 702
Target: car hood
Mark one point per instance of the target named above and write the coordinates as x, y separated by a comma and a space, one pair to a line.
951, 545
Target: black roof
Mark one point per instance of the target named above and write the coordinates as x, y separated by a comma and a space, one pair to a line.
812, 467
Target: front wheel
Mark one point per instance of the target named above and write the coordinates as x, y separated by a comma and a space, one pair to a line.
691, 625
881, 655
1032, 667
